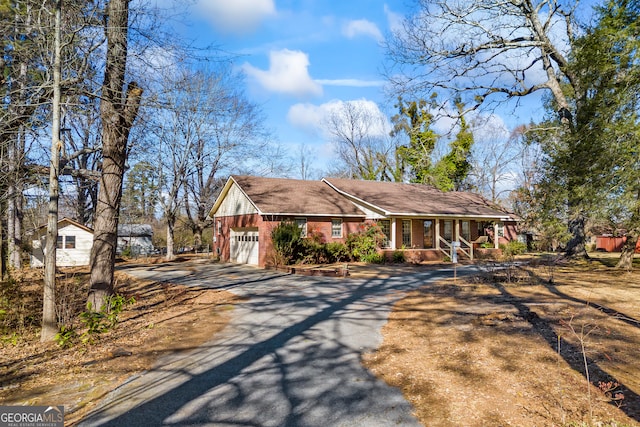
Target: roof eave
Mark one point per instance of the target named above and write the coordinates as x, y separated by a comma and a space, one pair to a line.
306, 214
446, 215
223, 195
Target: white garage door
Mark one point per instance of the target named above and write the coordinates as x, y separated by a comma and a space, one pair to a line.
244, 246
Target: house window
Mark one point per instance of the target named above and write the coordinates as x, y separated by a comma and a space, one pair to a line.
219, 224
406, 233
500, 228
448, 231
385, 226
336, 228
66, 242
428, 234
70, 242
465, 230
302, 225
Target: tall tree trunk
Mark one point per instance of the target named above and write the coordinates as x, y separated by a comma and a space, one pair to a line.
14, 227
118, 113
633, 233
197, 236
576, 247
628, 251
3, 268
171, 223
49, 322
16, 202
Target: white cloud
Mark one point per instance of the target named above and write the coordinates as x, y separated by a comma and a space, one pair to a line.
394, 19
489, 127
236, 16
288, 73
313, 118
362, 27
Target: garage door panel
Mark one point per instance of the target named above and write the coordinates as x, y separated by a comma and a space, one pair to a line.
245, 246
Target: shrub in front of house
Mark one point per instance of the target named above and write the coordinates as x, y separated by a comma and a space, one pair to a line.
374, 258
337, 252
364, 245
398, 256
312, 249
286, 238
513, 248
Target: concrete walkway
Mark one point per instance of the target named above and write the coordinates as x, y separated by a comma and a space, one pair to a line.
290, 356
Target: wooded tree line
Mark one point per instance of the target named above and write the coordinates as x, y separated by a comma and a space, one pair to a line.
108, 87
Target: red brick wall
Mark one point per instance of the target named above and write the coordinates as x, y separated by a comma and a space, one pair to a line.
265, 227
221, 245
510, 233
322, 225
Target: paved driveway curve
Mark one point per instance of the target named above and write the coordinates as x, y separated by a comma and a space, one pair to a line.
289, 357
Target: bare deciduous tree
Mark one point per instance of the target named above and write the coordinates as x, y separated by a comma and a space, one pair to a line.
118, 109
205, 128
492, 52
360, 137
495, 163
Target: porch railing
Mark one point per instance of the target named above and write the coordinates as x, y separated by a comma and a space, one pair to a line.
447, 244
469, 251
465, 247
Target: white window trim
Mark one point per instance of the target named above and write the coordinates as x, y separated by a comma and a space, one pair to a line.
404, 221
302, 226
338, 223
389, 237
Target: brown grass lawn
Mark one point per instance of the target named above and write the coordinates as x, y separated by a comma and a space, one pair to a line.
514, 348
501, 349
164, 319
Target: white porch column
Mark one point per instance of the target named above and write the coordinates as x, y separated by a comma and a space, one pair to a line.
495, 235
393, 233
457, 230
437, 233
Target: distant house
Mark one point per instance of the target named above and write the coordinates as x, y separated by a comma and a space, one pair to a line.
73, 246
137, 237
609, 243
416, 218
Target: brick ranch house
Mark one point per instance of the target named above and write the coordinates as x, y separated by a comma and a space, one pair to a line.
417, 218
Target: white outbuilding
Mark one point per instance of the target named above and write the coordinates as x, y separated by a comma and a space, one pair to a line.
73, 245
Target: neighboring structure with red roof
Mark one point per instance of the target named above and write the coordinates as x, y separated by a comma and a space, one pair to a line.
414, 217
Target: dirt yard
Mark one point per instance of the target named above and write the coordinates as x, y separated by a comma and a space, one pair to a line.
514, 348
165, 318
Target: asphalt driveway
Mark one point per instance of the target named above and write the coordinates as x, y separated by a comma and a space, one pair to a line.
289, 357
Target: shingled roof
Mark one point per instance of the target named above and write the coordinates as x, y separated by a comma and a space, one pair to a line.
348, 197
135, 230
280, 196
394, 198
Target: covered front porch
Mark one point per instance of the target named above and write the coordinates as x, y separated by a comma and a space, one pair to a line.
433, 238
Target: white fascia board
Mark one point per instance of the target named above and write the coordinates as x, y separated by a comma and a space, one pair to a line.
223, 194
300, 215
441, 215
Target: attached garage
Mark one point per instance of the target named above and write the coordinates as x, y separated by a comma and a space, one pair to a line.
245, 246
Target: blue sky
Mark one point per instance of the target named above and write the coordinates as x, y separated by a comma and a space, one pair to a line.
302, 57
